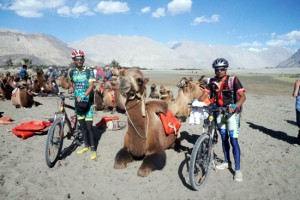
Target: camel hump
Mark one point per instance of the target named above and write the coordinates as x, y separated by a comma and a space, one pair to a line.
157, 106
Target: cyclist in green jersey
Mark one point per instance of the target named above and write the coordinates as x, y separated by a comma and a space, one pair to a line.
83, 80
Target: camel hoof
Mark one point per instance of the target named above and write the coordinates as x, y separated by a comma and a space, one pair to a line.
144, 172
119, 166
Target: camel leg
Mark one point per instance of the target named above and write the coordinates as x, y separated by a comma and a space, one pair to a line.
122, 158
151, 162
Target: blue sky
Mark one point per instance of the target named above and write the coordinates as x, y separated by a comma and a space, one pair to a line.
251, 24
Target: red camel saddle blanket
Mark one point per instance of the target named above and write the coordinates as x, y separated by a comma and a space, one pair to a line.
170, 123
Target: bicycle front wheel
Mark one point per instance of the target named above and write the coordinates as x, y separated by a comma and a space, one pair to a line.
54, 143
200, 161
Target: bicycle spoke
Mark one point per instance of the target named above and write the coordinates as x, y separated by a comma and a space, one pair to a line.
54, 143
200, 162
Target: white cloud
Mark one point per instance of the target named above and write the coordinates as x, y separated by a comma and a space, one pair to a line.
250, 44
146, 10
293, 35
64, 11
280, 43
32, 8
110, 7
179, 6
291, 38
76, 11
257, 50
160, 12
213, 19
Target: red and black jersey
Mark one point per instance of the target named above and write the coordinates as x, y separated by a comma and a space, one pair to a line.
222, 93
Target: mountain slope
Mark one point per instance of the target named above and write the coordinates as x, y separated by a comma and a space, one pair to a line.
291, 62
131, 51
143, 52
42, 49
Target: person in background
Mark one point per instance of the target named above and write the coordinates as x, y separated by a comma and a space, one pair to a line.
94, 68
222, 95
296, 94
23, 74
49, 72
108, 74
100, 75
83, 80
55, 73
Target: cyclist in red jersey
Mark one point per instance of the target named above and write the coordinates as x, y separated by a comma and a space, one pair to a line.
222, 93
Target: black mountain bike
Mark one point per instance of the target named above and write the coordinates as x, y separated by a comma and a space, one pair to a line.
202, 156
62, 127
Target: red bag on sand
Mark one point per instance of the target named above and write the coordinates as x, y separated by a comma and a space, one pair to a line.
28, 129
6, 120
22, 134
106, 119
34, 125
170, 123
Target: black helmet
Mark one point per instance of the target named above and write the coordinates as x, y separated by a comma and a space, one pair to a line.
220, 62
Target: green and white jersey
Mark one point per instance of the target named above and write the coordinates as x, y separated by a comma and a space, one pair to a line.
81, 80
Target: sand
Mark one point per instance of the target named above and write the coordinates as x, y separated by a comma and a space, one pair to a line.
269, 160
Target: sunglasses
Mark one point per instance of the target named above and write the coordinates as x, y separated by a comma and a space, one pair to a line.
220, 69
79, 59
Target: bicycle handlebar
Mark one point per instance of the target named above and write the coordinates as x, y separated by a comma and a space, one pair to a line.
212, 108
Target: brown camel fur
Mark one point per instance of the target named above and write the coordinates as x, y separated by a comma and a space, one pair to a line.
22, 97
120, 100
190, 87
104, 97
165, 93
145, 138
179, 106
41, 85
63, 81
7, 85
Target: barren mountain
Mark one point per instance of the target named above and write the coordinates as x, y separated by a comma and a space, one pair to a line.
40, 48
143, 52
131, 51
293, 61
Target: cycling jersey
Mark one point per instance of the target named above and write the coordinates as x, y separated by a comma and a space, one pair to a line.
81, 80
221, 93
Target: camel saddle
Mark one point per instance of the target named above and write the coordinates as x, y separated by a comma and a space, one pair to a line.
170, 123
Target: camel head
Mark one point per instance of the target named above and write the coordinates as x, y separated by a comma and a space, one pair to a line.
203, 81
153, 86
165, 93
133, 84
183, 82
39, 71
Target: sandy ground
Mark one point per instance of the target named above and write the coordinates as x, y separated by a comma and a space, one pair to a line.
269, 160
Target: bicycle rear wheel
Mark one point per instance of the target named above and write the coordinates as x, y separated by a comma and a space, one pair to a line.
200, 161
54, 143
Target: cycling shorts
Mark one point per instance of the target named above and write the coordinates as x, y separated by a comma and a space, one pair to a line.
87, 116
230, 125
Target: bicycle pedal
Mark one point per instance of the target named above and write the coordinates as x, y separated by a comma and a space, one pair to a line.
69, 136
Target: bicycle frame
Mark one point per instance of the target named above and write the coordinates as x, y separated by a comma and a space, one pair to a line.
57, 130
64, 116
202, 156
